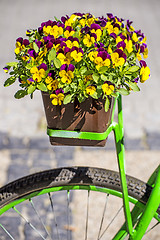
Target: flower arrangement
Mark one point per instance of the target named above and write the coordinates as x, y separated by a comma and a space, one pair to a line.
80, 56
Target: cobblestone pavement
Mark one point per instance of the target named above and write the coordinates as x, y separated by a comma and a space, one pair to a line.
21, 157
24, 146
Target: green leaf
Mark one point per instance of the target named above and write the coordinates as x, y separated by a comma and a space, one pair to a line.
31, 89
20, 94
57, 63
95, 95
107, 104
9, 81
12, 64
103, 77
123, 91
95, 77
42, 87
134, 86
52, 55
67, 99
83, 70
103, 69
88, 72
134, 68
35, 47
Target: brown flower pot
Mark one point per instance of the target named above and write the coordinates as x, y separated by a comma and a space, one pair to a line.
88, 116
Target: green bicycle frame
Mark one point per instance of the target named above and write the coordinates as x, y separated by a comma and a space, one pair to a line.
144, 215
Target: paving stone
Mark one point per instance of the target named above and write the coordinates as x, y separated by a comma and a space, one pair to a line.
153, 140
11, 224
19, 156
17, 170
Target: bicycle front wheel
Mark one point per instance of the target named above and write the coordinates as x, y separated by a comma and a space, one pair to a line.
53, 205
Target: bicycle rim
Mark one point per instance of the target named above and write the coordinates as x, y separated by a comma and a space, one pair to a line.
49, 207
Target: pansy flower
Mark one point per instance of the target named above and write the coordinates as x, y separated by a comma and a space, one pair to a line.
57, 97
21, 44
95, 28
66, 73
144, 72
129, 45
107, 88
68, 32
38, 73
90, 90
77, 54
118, 58
102, 59
89, 39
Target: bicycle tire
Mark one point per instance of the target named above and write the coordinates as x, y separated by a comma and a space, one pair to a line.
70, 177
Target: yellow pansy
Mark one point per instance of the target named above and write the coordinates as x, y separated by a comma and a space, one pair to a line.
145, 53
116, 60
71, 44
71, 20
88, 40
38, 74
100, 62
139, 57
51, 84
19, 47
77, 56
134, 37
68, 34
144, 74
129, 45
107, 89
66, 77
47, 30
57, 99
98, 33
65, 59
92, 55
90, 90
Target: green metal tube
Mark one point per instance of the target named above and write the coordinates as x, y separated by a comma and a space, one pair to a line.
119, 140
151, 208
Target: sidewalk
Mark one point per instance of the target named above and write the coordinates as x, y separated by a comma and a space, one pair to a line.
22, 157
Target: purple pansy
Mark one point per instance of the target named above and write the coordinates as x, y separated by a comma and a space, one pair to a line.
44, 66
113, 35
59, 91
85, 30
95, 26
121, 53
39, 43
32, 53
30, 80
143, 63
104, 55
69, 67
121, 44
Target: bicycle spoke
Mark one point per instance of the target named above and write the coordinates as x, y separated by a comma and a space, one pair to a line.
32, 204
86, 229
68, 216
6, 231
104, 210
30, 224
55, 221
111, 222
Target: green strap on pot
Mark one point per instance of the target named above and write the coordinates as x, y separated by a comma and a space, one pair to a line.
80, 135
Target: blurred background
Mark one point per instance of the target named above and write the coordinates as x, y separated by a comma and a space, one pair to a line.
23, 117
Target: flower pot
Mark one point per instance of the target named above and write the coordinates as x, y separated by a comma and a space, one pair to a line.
88, 116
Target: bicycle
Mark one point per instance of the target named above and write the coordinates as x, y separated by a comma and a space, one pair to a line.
144, 197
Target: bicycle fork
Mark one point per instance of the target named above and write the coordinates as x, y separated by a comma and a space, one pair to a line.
151, 207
